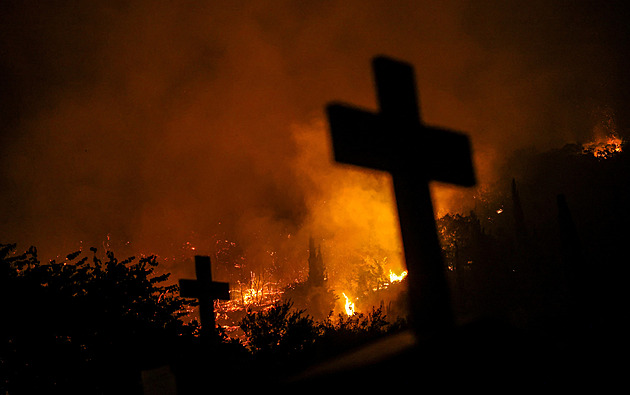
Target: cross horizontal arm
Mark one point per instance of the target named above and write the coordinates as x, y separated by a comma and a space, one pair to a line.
361, 138
201, 289
447, 156
356, 132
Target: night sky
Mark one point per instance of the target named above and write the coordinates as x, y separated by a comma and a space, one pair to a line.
154, 121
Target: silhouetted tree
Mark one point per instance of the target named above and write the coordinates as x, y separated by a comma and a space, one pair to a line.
477, 264
316, 270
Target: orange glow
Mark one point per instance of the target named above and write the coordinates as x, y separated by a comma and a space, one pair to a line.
606, 142
352, 211
604, 147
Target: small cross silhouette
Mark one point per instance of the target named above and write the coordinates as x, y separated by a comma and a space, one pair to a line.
206, 290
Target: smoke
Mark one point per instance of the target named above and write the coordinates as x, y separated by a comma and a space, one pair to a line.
165, 123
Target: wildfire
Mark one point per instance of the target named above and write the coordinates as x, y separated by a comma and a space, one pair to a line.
255, 292
604, 147
607, 143
349, 305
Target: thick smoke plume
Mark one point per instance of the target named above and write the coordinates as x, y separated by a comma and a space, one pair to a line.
149, 125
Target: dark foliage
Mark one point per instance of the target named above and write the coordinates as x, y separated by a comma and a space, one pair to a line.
344, 332
91, 325
284, 340
478, 265
84, 322
279, 337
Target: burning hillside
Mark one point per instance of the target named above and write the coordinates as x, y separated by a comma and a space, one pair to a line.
604, 147
606, 139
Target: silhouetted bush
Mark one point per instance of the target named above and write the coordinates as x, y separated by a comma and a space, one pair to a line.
283, 340
83, 324
343, 333
279, 330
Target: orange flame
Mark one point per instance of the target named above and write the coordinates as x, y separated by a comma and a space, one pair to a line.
606, 143
349, 305
393, 277
604, 147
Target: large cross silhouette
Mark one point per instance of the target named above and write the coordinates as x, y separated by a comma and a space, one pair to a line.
395, 140
206, 290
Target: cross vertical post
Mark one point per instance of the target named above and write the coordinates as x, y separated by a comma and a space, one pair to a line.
206, 290
395, 140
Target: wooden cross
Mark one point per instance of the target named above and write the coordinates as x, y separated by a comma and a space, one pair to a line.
206, 290
395, 140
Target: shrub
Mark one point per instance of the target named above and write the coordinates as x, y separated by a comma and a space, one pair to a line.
83, 322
